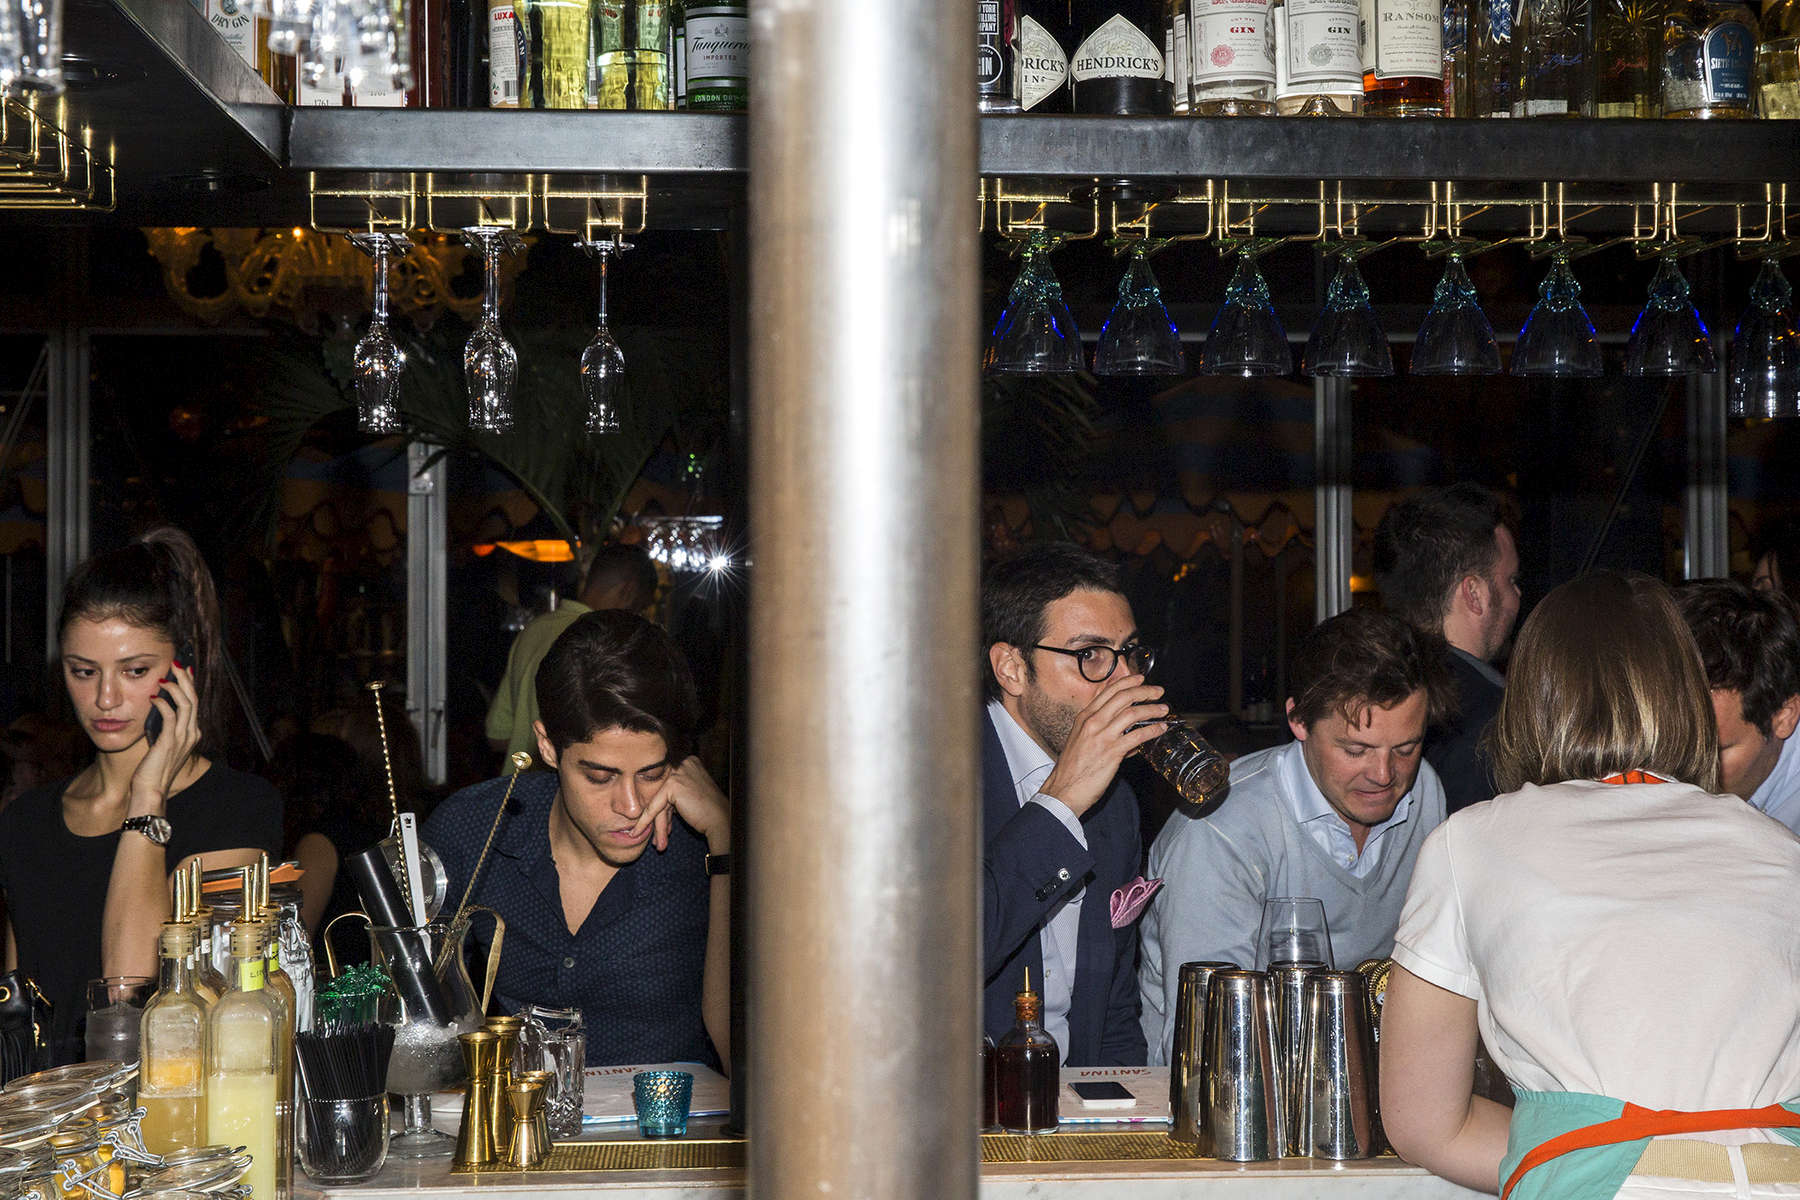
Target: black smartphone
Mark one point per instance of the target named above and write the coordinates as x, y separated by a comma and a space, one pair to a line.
153, 723
1091, 1090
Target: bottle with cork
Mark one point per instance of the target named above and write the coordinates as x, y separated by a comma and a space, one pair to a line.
1027, 1063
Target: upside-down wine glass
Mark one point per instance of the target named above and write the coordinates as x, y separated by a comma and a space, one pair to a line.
1246, 337
1139, 338
490, 364
1348, 340
603, 362
1455, 338
379, 362
1558, 338
1765, 350
1669, 338
1036, 333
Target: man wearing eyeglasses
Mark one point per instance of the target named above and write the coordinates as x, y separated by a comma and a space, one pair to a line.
1066, 703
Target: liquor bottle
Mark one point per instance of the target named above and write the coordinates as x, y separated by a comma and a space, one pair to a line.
509, 56
1781, 19
1233, 71
677, 55
1318, 63
1708, 59
1178, 55
559, 58
1490, 54
718, 56
1402, 58
1026, 1069
996, 27
1041, 56
1117, 66
1626, 37
1553, 59
1777, 71
235, 21
631, 55
208, 980
171, 1045
1456, 58
243, 1057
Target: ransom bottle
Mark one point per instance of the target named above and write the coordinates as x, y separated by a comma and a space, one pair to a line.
1026, 1066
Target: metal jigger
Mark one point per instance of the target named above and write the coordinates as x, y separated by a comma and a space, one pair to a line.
475, 1136
527, 1103
541, 1079
500, 1077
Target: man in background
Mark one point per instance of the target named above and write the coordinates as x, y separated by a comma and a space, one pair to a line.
1448, 564
1750, 642
620, 577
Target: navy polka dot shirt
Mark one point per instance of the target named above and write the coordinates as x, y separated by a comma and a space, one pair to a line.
634, 968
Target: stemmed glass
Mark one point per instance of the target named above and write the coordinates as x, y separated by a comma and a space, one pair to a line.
379, 361
490, 364
602, 362
1765, 350
1036, 333
1669, 338
1139, 338
1348, 340
1246, 337
1558, 338
1455, 338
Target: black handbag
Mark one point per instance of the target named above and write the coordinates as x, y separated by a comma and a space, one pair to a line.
24, 1027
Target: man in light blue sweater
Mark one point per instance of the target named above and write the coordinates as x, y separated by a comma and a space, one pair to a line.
1337, 814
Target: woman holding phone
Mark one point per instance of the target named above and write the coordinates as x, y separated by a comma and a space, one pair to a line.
85, 861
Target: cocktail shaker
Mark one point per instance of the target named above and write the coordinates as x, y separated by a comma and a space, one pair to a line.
1243, 1078
1287, 983
1338, 1119
1187, 1057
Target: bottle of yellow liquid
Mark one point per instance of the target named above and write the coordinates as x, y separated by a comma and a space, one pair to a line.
278, 983
243, 1066
171, 1045
207, 979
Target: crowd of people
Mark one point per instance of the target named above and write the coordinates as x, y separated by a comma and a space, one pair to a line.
1548, 856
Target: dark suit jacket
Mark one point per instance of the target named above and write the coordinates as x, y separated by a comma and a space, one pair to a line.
1030, 863
1454, 748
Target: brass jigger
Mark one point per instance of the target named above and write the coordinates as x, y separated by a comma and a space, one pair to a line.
475, 1136
506, 1032
543, 1079
527, 1103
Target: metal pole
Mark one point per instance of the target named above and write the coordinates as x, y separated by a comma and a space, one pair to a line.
864, 475
426, 621
1331, 498
1706, 544
66, 421
1234, 652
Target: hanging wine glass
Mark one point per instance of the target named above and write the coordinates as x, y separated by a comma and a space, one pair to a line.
1669, 338
1348, 340
378, 361
1456, 338
1558, 338
603, 362
1765, 350
1139, 338
490, 364
1246, 337
1036, 333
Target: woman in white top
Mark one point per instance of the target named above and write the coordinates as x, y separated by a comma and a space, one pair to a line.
1621, 937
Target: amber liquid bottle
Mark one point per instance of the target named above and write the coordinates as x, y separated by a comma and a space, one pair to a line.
1403, 58
1026, 1069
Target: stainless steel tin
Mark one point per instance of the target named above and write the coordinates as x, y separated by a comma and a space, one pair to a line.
1243, 1076
1287, 985
1187, 1056
1338, 1121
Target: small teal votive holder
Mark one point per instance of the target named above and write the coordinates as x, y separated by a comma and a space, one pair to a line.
662, 1099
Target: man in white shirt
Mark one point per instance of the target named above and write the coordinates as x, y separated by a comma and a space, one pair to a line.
1750, 642
1338, 814
1067, 702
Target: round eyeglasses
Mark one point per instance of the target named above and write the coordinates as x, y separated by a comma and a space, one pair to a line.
1097, 663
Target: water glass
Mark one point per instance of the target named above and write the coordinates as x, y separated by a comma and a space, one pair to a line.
555, 1040
662, 1099
115, 1008
343, 1141
1293, 931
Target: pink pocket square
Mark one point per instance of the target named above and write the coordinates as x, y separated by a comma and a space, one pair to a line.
1128, 902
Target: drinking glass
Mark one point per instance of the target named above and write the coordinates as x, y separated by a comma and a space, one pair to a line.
1456, 338
555, 1040
115, 1008
1669, 338
31, 37
1036, 333
1246, 337
1558, 338
1765, 350
1348, 340
490, 364
379, 362
1138, 338
1293, 931
602, 362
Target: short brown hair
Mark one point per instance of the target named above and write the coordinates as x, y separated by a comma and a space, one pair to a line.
1367, 657
1605, 678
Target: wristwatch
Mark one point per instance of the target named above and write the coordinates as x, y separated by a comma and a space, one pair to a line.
157, 829
718, 864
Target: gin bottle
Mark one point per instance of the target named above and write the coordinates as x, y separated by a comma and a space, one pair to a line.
1318, 63
1117, 66
1491, 74
995, 29
1041, 56
1626, 37
1708, 59
631, 56
1234, 58
717, 53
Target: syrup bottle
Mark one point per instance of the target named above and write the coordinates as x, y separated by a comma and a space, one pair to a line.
1026, 1069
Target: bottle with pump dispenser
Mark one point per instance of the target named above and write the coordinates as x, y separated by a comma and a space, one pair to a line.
1027, 1063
